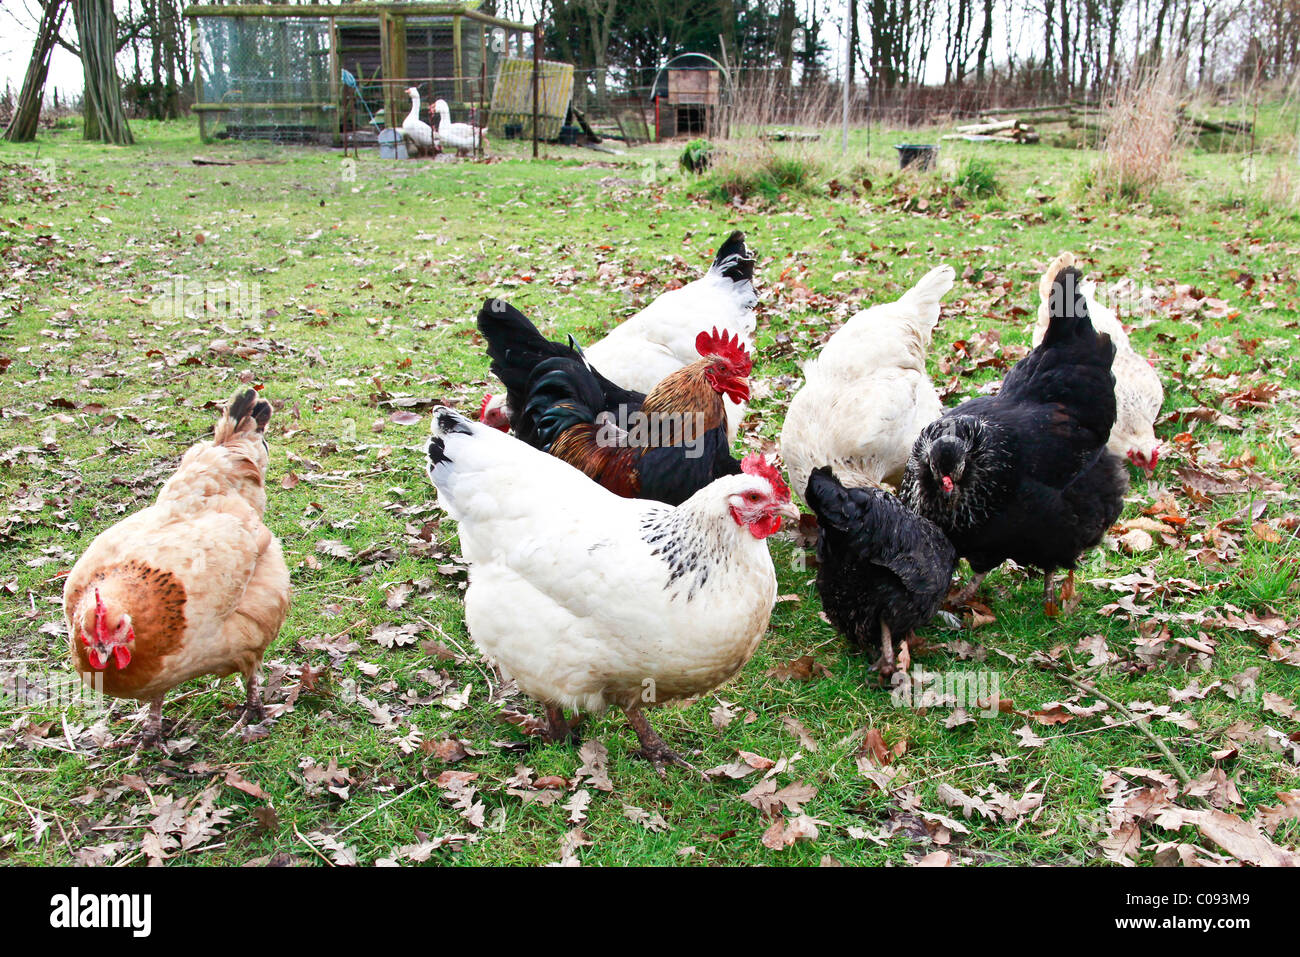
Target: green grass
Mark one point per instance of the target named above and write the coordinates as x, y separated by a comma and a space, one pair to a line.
370, 285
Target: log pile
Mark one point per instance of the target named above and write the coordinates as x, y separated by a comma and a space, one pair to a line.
995, 131
1011, 126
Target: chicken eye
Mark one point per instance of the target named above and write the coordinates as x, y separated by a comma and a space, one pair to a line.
752, 496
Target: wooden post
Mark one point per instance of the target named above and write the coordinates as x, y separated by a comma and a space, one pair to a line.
456, 63
386, 66
481, 121
537, 65
335, 96
196, 48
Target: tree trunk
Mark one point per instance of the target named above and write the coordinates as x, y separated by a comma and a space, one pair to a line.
601, 25
986, 35
105, 120
27, 115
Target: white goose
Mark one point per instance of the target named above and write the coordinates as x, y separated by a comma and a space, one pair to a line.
460, 136
418, 134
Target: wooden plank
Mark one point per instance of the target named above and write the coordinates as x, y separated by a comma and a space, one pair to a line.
364, 10
236, 107
335, 95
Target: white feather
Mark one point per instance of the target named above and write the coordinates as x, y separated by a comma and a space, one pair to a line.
867, 396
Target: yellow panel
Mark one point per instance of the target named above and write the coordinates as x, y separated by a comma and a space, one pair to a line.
512, 97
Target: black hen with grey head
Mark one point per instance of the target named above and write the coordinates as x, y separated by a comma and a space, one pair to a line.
1025, 474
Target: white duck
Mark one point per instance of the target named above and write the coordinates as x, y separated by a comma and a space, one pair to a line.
462, 137
417, 133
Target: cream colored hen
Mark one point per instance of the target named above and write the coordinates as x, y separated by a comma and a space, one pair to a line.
1138, 392
867, 396
193, 585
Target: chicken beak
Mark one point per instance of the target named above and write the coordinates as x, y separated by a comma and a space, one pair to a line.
789, 510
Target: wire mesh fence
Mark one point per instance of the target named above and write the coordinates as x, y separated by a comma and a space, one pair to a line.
265, 78
330, 80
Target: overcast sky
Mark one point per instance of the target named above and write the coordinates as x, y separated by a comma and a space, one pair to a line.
17, 33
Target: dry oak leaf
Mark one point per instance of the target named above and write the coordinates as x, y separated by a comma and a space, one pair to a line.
784, 833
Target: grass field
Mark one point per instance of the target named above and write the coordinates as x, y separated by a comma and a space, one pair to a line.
389, 742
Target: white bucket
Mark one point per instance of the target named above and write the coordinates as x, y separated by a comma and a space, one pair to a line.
391, 145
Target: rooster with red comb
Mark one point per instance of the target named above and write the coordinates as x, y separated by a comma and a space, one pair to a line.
665, 446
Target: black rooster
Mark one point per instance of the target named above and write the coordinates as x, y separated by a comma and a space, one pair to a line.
883, 571
1025, 474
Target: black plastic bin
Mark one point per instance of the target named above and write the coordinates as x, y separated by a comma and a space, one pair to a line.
920, 154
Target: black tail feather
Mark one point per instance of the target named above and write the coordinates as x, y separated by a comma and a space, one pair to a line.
1068, 308
734, 259
561, 393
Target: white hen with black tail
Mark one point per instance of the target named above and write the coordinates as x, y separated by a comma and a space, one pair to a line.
660, 339
590, 600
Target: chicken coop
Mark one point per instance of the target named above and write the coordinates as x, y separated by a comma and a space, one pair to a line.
690, 94
307, 72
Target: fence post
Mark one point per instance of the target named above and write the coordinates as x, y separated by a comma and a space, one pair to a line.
844, 81
537, 64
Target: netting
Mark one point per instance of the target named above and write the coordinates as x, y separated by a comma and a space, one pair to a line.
312, 79
265, 78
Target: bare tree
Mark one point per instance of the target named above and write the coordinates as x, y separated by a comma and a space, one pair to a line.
26, 118
103, 116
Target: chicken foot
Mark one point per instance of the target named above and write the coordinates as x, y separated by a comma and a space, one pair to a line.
885, 664
653, 748
254, 711
560, 728
150, 735
964, 596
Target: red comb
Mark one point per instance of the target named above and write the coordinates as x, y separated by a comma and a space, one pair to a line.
756, 464
482, 409
725, 347
100, 614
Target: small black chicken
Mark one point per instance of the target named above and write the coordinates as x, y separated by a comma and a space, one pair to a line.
1025, 474
883, 570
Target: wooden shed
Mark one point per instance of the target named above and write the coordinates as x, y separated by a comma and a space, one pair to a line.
274, 71
689, 94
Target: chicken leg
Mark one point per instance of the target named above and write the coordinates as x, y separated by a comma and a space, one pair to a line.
1050, 606
653, 748
558, 728
151, 734
254, 710
885, 664
964, 596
